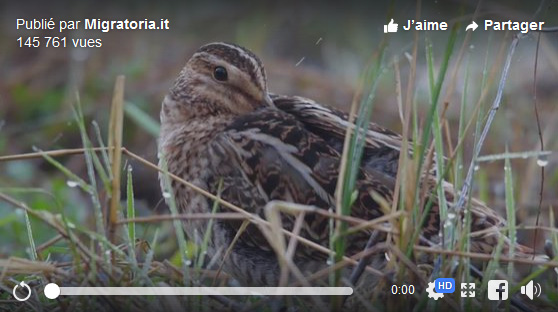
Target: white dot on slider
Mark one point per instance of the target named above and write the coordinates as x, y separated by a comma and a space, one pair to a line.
52, 291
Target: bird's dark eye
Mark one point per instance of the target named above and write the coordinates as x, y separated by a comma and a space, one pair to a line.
220, 73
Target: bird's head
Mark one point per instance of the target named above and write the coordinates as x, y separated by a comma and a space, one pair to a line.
220, 78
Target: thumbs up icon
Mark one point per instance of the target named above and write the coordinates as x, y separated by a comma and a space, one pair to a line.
391, 27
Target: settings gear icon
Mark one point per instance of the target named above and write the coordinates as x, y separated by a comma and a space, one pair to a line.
432, 293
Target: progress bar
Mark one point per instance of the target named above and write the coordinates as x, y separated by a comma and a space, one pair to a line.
52, 291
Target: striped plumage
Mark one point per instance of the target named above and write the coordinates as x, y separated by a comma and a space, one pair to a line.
219, 123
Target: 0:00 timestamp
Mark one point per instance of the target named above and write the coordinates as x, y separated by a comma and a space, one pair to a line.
403, 289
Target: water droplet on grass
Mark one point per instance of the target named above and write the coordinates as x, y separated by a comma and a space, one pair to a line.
166, 195
71, 183
408, 56
542, 160
387, 256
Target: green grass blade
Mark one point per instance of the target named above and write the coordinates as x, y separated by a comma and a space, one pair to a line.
427, 131
168, 194
352, 168
73, 179
78, 115
32, 248
130, 213
142, 119
447, 224
207, 234
104, 153
510, 211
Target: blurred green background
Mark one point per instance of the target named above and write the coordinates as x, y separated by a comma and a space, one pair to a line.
313, 50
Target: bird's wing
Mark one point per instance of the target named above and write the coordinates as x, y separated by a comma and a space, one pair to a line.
382, 145
269, 155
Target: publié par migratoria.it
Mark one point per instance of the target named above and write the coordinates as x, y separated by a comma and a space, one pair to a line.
93, 24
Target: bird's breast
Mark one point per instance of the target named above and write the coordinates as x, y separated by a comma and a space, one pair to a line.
185, 149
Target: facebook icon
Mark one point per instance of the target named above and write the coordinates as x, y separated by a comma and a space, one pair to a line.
444, 285
498, 290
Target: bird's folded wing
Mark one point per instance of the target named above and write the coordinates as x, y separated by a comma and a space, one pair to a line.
382, 145
269, 155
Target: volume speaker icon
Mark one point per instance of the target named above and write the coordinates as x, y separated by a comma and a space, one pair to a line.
531, 289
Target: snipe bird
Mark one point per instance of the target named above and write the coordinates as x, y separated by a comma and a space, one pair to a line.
223, 131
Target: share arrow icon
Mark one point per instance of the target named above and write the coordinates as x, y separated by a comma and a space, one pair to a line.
472, 26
